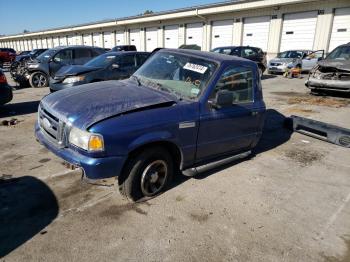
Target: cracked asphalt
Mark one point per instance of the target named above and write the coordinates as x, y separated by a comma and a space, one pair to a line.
289, 201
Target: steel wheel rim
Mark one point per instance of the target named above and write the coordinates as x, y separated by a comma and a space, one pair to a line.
153, 177
39, 80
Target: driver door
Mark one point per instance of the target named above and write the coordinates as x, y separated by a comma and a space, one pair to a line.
232, 128
311, 59
62, 58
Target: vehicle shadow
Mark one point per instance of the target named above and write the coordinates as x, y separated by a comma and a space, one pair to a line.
274, 134
27, 206
268, 77
17, 109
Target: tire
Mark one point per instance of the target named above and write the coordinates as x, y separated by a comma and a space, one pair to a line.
38, 79
147, 174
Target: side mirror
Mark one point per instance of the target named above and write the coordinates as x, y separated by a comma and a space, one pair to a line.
224, 98
115, 66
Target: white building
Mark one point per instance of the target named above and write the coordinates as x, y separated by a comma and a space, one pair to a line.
273, 25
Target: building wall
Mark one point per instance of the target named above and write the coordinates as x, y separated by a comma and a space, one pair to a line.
275, 9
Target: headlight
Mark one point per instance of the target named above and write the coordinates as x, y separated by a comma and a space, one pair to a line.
33, 66
86, 140
73, 79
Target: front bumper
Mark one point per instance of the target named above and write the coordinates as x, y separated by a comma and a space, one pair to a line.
277, 69
94, 168
331, 85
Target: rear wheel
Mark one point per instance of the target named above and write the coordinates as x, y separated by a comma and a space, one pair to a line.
38, 79
147, 174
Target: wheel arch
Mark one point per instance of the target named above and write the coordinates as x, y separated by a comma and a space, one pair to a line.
171, 147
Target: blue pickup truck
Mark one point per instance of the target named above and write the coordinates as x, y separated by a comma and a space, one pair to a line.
181, 110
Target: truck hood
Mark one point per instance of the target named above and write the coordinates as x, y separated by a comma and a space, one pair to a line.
335, 63
88, 104
74, 70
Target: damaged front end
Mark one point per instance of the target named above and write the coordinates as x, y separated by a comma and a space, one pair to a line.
329, 78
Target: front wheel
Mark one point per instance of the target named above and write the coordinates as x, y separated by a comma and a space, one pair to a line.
147, 174
38, 79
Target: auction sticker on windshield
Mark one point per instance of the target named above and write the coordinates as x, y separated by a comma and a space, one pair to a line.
196, 68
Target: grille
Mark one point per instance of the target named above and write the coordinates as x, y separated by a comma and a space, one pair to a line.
275, 64
52, 127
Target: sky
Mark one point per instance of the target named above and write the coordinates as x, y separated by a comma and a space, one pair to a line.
33, 15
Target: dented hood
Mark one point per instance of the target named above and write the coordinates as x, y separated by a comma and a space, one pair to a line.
88, 104
335, 63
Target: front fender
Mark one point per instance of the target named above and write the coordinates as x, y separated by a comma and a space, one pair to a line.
157, 136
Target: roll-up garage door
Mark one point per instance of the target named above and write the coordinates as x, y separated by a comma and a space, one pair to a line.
151, 38
34, 45
39, 43
63, 40
107, 38
49, 42
222, 32
171, 36
44, 42
97, 39
194, 34
70, 40
298, 31
56, 41
341, 28
135, 38
87, 39
256, 31
119, 38
77, 40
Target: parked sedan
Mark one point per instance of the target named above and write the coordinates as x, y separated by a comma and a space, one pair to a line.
48, 63
252, 53
303, 59
109, 66
5, 90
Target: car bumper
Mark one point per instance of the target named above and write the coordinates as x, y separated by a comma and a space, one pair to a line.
6, 94
277, 69
330, 85
93, 168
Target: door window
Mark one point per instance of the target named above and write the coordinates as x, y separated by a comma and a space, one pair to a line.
126, 61
239, 81
249, 52
64, 57
141, 58
81, 56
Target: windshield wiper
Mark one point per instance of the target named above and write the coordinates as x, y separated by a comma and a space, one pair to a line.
137, 80
169, 90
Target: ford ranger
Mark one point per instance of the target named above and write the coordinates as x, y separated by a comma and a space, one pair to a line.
180, 110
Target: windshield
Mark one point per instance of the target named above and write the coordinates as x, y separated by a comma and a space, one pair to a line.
340, 53
291, 54
181, 75
47, 54
101, 61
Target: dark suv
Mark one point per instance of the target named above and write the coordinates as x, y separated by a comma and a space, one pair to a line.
48, 63
252, 53
108, 66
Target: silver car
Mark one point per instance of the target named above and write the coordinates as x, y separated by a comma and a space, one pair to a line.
304, 59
